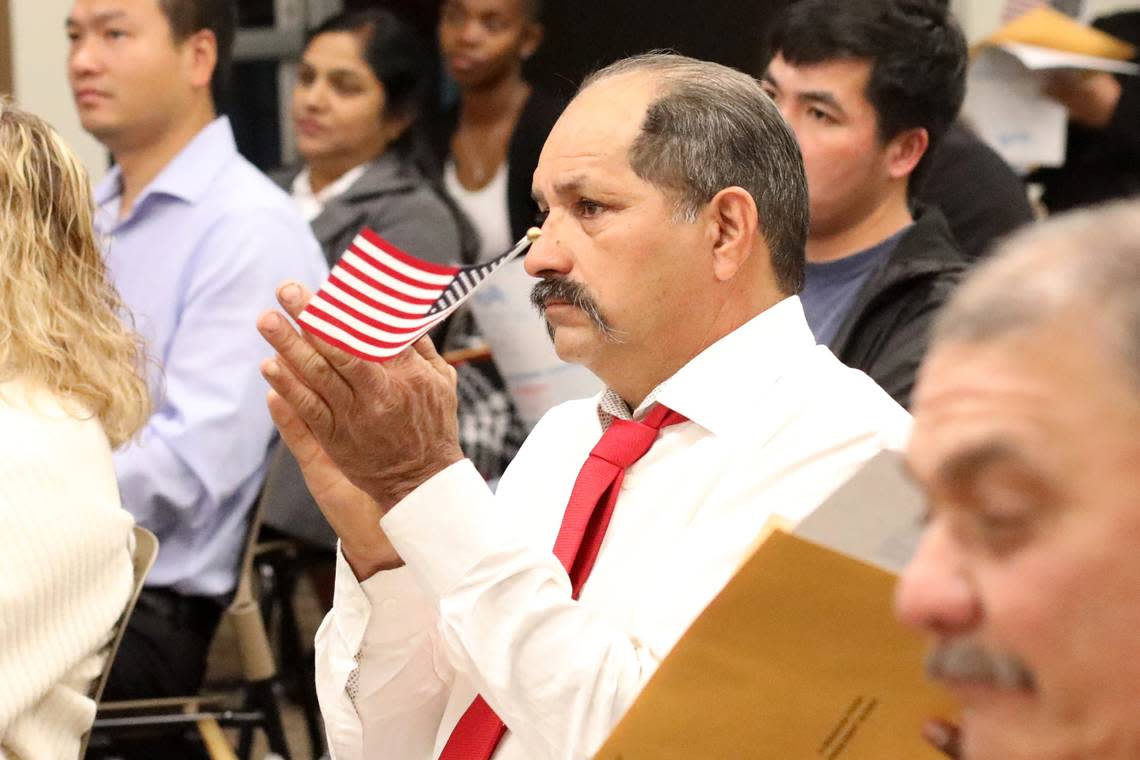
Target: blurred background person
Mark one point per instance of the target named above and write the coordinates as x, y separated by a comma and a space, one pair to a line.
487, 148
1026, 442
362, 83
71, 387
196, 239
1102, 155
870, 87
488, 144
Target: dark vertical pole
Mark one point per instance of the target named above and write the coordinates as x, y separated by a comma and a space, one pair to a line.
5, 49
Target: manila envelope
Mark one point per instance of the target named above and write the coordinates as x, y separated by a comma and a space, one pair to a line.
798, 657
1045, 27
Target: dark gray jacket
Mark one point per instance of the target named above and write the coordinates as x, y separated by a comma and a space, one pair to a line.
399, 204
886, 331
395, 199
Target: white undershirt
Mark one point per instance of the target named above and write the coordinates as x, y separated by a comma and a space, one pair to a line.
486, 208
312, 204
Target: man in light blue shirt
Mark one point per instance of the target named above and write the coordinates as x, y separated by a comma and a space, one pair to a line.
196, 240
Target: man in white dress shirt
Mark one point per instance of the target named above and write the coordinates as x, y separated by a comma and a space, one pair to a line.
676, 214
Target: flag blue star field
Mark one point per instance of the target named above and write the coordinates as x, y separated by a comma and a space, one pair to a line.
378, 300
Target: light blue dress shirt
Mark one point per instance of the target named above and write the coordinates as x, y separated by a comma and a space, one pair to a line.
196, 260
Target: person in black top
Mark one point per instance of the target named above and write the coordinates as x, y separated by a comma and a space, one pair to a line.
869, 87
500, 118
1102, 158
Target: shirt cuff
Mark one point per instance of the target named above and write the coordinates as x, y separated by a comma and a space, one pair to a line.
444, 527
387, 607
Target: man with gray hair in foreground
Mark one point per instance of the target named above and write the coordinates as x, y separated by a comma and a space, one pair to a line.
1027, 443
671, 252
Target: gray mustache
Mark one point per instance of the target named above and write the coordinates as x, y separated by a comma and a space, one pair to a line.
967, 661
574, 293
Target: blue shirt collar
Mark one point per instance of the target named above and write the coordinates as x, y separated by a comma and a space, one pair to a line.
189, 174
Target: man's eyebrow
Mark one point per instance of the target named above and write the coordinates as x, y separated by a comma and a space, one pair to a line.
822, 97
767, 77
102, 17
570, 186
972, 460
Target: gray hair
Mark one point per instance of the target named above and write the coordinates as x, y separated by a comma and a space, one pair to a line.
713, 127
1087, 260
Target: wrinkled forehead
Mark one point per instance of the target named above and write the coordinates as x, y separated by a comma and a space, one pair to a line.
1050, 391
602, 121
98, 10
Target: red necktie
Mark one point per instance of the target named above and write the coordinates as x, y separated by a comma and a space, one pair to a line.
584, 525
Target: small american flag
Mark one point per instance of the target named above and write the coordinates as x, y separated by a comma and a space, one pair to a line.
378, 300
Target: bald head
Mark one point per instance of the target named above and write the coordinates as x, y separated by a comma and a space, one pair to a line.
1085, 264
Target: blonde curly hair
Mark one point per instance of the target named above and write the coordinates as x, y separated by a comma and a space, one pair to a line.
61, 320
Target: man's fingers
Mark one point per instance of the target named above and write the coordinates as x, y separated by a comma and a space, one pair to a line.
945, 737
311, 409
305, 360
294, 297
426, 349
294, 432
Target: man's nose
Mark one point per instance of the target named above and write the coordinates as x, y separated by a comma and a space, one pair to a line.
82, 58
548, 255
470, 33
936, 593
314, 96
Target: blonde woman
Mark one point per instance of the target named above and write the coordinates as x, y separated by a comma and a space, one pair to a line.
70, 390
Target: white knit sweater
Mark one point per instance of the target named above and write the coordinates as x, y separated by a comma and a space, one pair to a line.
65, 571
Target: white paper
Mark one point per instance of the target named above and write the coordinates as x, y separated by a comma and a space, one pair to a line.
876, 516
1007, 109
1040, 59
536, 378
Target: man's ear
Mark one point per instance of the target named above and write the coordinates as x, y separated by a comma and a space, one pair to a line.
905, 150
201, 51
733, 222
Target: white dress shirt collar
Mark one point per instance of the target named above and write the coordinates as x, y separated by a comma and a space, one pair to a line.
701, 389
311, 204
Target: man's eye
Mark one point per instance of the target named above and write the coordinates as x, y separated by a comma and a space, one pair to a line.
114, 34
540, 216
819, 115
588, 208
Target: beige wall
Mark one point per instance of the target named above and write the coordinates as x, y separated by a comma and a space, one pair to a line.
39, 51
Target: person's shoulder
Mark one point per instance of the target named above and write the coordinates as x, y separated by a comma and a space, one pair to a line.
928, 248
847, 401
39, 427
241, 187
243, 204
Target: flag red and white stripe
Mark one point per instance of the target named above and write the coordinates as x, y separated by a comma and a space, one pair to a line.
378, 300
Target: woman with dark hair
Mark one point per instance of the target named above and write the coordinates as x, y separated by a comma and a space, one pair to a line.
486, 150
361, 82
360, 86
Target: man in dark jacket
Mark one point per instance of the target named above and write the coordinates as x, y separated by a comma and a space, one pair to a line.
869, 87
